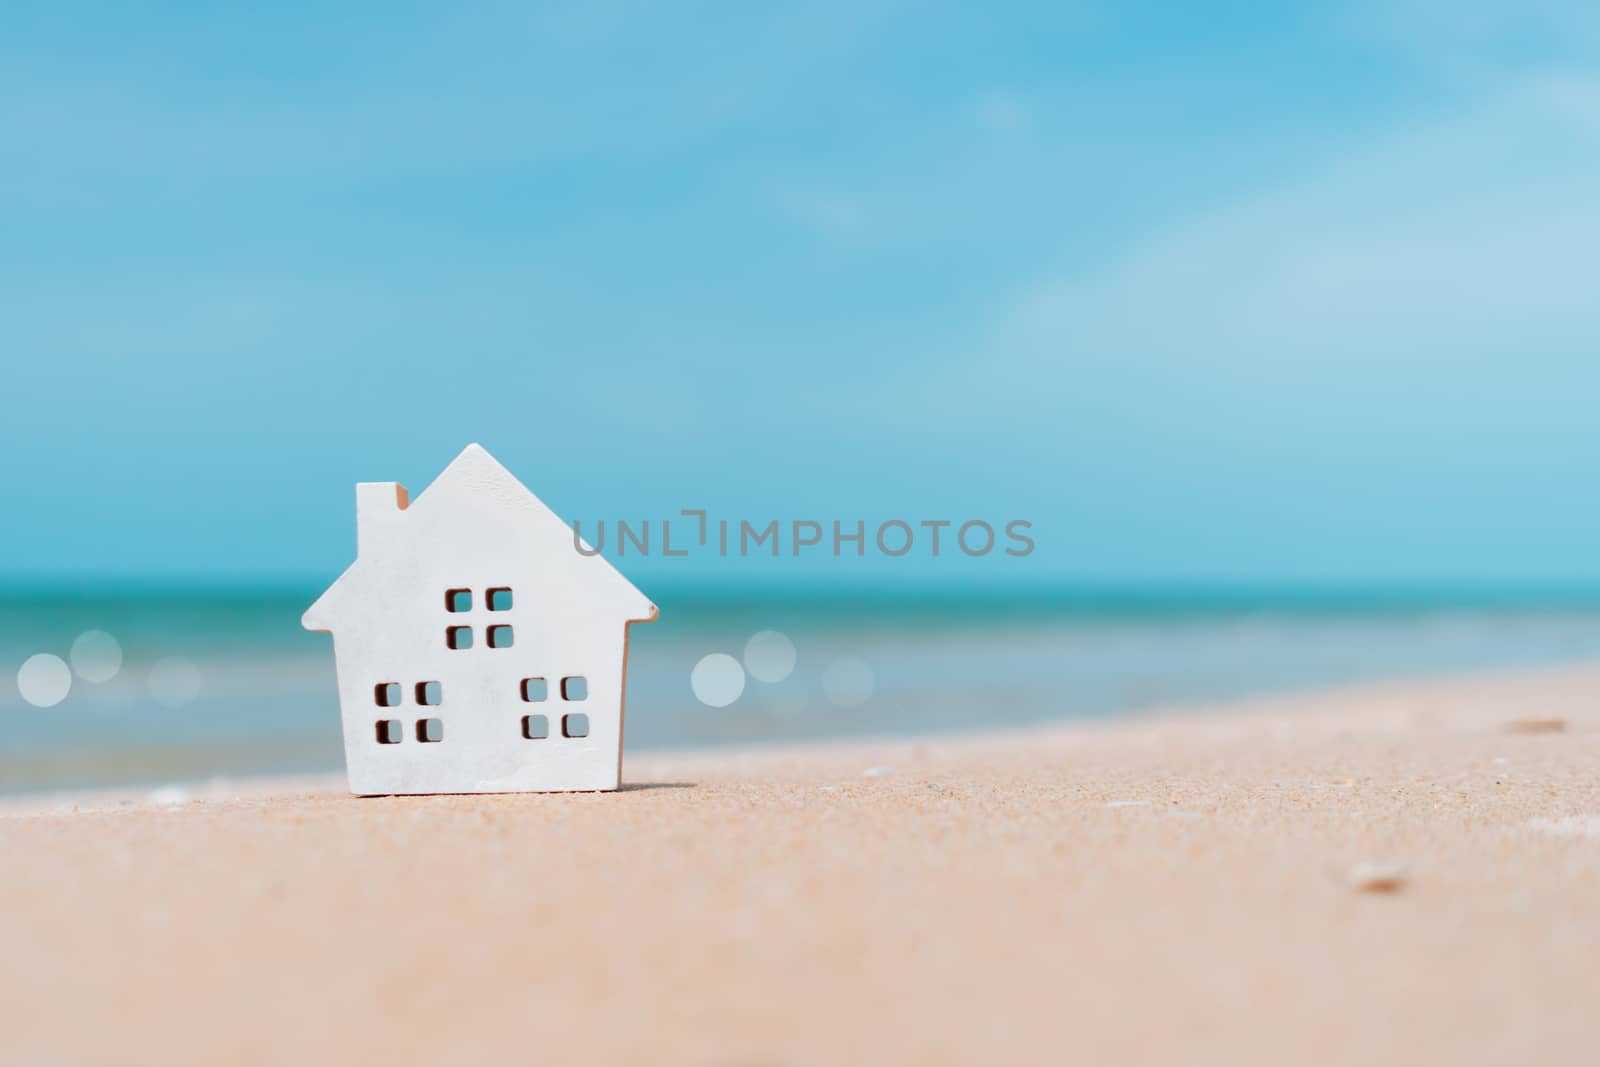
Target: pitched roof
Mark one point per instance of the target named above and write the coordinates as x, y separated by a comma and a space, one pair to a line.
478, 477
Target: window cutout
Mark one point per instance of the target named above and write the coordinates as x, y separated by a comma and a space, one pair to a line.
534, 690
458, 600
575, 725
499, 599
458, 636
390, 731
535, 727
430, 694
501, 637
430, 730
387, 694
575, 688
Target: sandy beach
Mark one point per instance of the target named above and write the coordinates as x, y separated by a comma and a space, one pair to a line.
1404, 873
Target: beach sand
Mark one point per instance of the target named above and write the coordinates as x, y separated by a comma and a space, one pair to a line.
1406, 873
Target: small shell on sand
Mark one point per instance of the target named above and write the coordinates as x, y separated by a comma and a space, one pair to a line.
1537, 726
1378, 878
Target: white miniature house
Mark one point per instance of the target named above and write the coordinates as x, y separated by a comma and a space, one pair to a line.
477, 650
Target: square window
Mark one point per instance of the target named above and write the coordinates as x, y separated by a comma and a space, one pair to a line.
458, 600
458, 636
534, 690
575, 688
499, 599
535, 727
430, 694
501, 637
387, 694
575, 725
390, 731
430, 731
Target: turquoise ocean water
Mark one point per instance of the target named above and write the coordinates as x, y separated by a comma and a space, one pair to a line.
258, 694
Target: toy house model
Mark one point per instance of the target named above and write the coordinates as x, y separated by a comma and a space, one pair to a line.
477, 650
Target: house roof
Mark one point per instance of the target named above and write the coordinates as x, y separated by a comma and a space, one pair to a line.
474, 480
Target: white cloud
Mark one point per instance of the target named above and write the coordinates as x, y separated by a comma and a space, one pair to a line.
1465, 243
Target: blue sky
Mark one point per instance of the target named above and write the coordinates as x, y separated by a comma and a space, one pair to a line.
1209, 296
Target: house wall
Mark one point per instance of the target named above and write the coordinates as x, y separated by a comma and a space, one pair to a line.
483, 747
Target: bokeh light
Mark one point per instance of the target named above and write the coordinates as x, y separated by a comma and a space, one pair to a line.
769, 656
717, 680
848, 682
96, 656
44, 680
174, 681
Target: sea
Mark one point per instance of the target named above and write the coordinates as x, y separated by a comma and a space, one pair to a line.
220, 681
